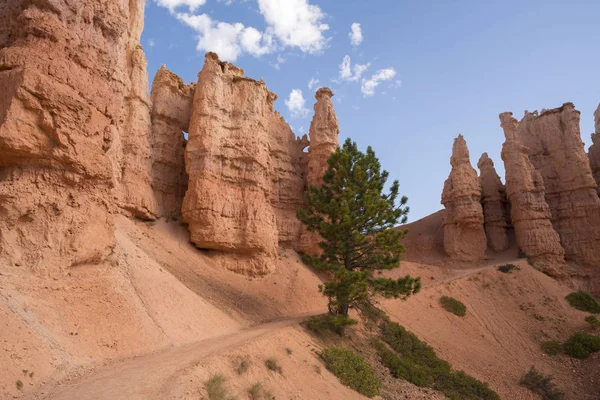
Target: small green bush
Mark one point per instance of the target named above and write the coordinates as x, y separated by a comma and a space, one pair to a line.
454, 306
583, 301
216, 388
415, 361
581, 345
273, 365
508, 268
551, 347
542, 385
593, 321
352, 370
19, 385
329, 322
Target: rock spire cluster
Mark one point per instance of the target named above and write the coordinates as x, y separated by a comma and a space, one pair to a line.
464, 236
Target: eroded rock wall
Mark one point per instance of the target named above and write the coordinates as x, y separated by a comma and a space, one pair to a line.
244, 164
323, 133
530, 214
557, 152
494, 203
464, 235
171, 112
594, 151
71, 74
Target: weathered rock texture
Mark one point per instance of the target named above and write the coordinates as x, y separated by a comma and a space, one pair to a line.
171, 112
494, 202
245, 170
73, 105
594, 151
324, 131
530, 214
557, 152
464, 236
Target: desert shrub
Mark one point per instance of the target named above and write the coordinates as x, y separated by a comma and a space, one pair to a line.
216, 388
593, 321
258, 392
542, 385
454, 306
243, 366
583, 301
273, 365
288, 351
352, 370
508, 268
410, 359
329, 322
370, 314
551, 347
581, 345
19, 385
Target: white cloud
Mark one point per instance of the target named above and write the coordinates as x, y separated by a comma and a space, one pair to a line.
295, 104
356, 36
349, 73
192, 5
369, 85
397, 84
151, 43
313, 83
280, 60
296, 23
227, 40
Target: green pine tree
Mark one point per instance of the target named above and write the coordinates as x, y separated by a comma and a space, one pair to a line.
357, 223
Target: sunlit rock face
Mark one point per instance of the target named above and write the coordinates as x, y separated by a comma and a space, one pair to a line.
245, 168
557, 152
74, 128
530, 214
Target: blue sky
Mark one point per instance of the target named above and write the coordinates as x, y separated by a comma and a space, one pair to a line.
418, 74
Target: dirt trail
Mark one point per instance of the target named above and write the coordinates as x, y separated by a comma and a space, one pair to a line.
142, 377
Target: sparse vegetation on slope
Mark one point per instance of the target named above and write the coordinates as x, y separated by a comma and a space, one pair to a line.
329, 322
541, 385
581, 345
508, 268
551, 347
258, 392
352, 370
415, 361
216, 388
273, 365
454, 306
583, 301
593, 321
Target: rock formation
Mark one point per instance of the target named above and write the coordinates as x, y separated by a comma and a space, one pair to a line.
594, 151
464, 236
171, 112
494, 202
530, 214
557, 152
324, 131
72, 94
244, 166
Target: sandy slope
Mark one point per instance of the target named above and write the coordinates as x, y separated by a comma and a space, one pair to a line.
161, 317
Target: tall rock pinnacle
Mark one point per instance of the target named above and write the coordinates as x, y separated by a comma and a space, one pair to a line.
324, 131
530, 213
494, 204
464, 236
